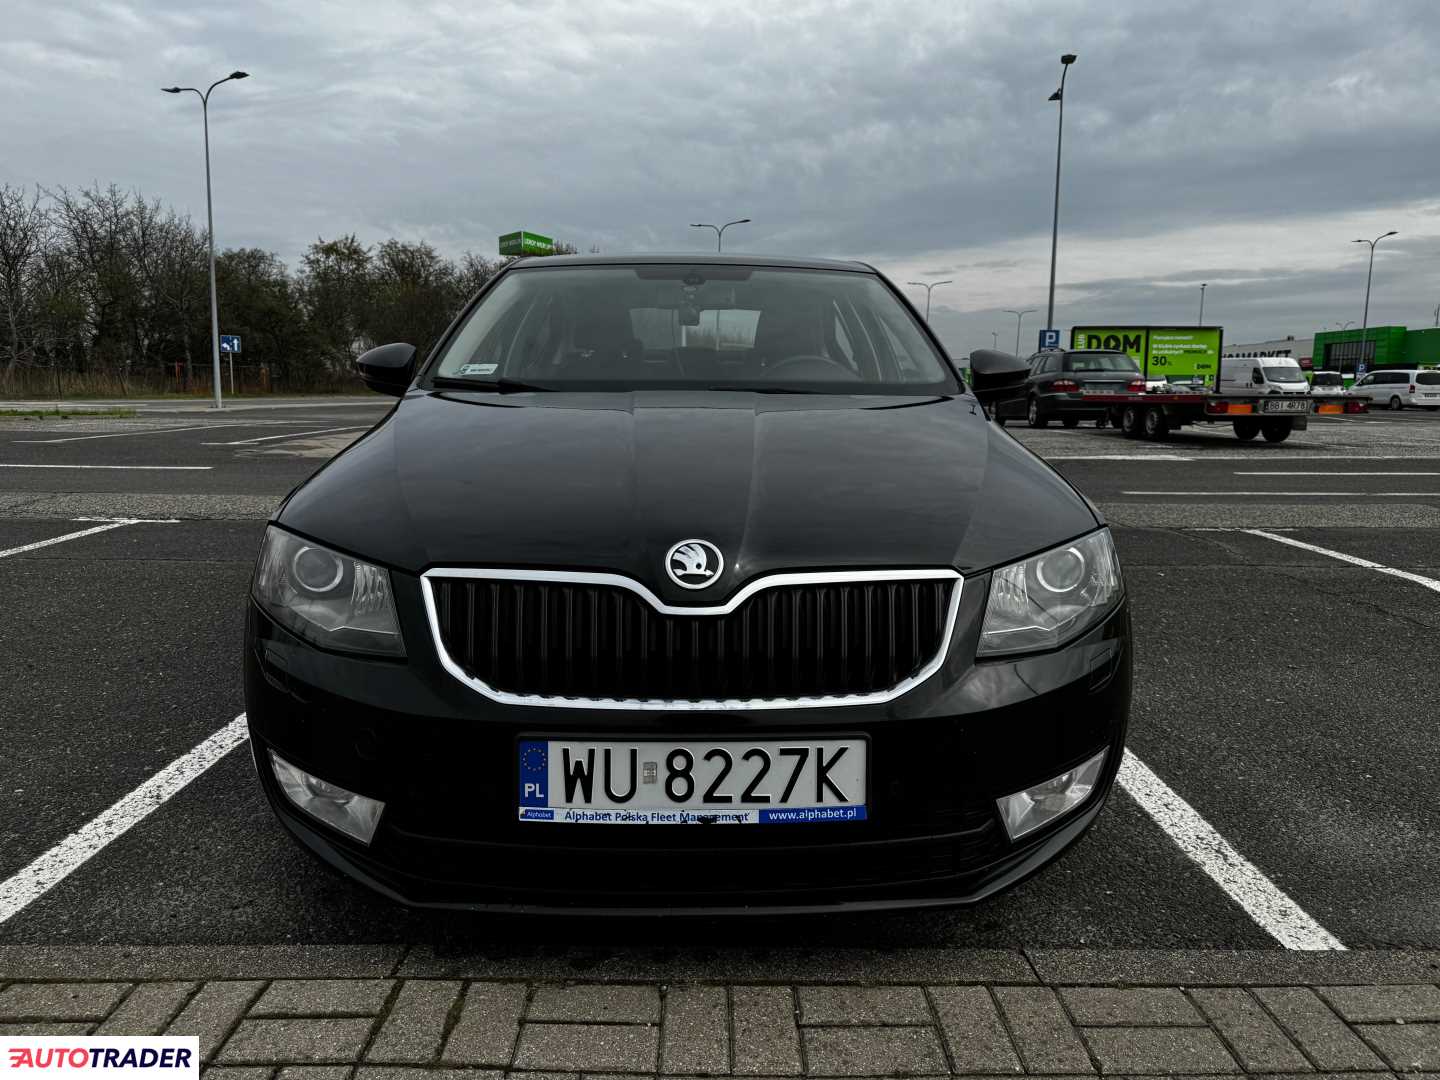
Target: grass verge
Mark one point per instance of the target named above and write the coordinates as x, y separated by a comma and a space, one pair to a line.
65, 414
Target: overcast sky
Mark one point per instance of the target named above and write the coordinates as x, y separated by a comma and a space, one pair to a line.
1241, 144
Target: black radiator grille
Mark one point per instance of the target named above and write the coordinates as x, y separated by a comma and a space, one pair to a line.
603, 641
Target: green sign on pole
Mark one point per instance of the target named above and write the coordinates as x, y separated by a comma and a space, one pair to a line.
526, 243
1170, 352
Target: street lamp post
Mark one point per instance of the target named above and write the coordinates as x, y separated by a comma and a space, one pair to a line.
210, 222
927, 288
1019, 318
1059, 95
995, 338
719, 230
1201, 320
1365, 318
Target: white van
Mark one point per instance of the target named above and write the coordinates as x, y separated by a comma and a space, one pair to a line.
1262, 375
1397, 387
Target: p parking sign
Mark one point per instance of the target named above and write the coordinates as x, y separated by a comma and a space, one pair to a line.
1049, 339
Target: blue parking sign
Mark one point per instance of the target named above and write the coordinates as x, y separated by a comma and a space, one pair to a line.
1049, 339
230, 343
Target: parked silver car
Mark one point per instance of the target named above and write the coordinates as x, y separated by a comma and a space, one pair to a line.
1396, 388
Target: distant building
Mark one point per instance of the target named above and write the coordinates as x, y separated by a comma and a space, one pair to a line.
1380, 347
1300, 349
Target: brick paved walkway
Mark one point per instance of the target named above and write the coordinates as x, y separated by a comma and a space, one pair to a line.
394, 1014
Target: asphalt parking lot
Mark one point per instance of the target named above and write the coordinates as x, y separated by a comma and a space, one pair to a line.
1286, 601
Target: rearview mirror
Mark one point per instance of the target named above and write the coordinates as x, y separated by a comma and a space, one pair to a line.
388, 369
997, 376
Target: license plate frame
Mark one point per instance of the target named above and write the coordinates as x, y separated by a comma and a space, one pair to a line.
1285, 406
543, 796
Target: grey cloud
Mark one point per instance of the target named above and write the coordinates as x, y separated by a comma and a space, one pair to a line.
875, 129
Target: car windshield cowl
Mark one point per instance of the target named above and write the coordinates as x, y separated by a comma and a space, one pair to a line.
503, 386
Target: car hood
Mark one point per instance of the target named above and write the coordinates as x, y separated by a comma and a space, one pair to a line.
609, 482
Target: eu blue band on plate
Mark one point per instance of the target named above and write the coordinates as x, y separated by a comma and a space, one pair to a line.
534, 773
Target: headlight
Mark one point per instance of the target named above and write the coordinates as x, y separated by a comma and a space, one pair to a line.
328, 598
1046, 600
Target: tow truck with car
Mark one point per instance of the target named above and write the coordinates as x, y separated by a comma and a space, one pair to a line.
1152, 410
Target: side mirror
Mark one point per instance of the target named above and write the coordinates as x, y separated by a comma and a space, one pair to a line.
388, 369
997, 376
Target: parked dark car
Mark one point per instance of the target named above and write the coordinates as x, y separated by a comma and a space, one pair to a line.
1060, 379
720, 542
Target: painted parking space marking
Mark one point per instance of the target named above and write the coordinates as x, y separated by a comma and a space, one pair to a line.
224, 425
1116, 457
1240, 473
121, 434
288, 435
1355, 560
1275, 912
106, 525
1271, 494
152, 468
33, 881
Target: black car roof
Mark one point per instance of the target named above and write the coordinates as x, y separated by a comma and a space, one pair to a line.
713, 258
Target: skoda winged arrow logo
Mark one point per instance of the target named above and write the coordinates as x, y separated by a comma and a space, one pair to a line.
694, 564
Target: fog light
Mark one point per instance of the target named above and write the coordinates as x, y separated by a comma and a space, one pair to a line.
352, 814
1027, 810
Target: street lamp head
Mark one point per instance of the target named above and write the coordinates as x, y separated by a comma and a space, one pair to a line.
1056, 96
1392, 232
741, 221
239, 74
1067, 59
170, 89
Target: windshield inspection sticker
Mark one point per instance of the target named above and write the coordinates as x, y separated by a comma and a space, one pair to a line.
478, 369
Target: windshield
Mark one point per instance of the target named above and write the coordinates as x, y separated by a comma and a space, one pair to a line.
1289, 372
1100, 362
684, 326
1327, 378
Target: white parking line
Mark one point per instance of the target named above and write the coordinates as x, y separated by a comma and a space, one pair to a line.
109, 523
163, 468
32, 882
121, 434
1268, 494
1239, 473
61, 539
1261, 898
289, 435
1116, 457
1354, 560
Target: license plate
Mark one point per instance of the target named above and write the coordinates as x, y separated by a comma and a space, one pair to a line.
692, 781
1285, 406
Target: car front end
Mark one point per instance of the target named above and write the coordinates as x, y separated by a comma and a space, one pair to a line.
687, 650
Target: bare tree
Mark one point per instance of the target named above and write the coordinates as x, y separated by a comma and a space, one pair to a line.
24, 225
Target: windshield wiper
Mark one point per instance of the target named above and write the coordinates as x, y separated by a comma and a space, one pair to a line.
504, 386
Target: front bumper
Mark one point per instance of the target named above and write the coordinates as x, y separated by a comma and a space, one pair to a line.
443, 759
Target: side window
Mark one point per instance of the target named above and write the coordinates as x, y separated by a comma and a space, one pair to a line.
1366, 381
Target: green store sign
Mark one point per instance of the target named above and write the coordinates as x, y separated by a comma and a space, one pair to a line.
526, 243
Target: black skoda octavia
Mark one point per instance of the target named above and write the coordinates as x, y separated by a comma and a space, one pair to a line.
697, 584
